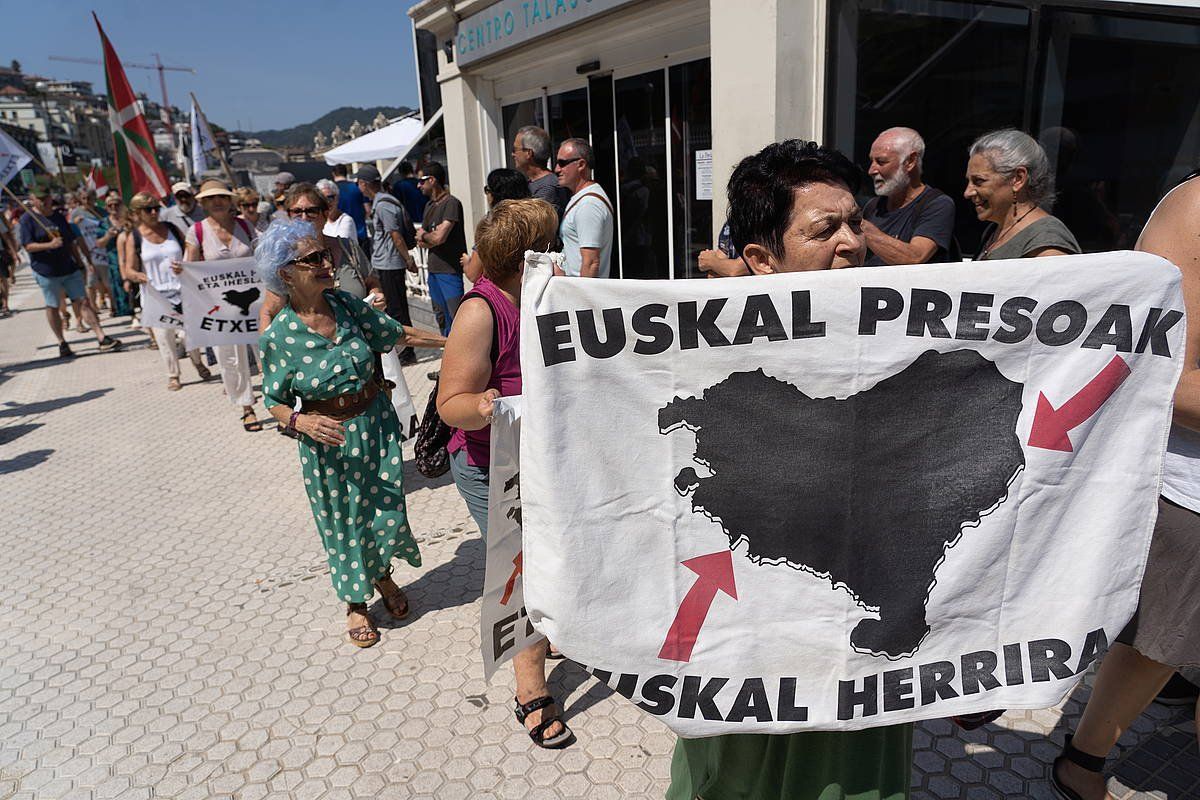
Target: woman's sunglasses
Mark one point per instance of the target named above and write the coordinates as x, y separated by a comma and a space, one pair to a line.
312, 212
314, 260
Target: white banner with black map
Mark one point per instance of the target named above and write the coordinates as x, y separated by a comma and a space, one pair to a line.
837, 500
220, 302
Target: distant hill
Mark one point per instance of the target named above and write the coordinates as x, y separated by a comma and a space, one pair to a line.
302, 135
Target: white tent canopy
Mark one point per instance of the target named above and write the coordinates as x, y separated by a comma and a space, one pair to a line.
391, 142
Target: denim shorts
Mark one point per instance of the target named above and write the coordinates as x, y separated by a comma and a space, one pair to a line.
472, 483
54, 285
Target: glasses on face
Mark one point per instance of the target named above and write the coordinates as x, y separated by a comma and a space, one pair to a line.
312, 212
422, 179
247, 205
333, 198
563, 162
314, 260
152, 210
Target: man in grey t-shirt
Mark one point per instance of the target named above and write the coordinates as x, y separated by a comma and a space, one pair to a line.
907, 222
185, 213
531, 153
391, 233
587, 224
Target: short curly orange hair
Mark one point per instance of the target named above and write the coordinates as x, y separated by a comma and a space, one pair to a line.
511, 228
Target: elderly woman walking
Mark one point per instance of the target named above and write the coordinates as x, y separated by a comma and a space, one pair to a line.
319, 350
221, 235
483, 362
1010, 183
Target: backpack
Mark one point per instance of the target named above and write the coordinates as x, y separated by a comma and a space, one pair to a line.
951, 255
407, 231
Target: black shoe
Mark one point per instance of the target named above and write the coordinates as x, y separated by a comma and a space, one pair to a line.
408, 357
433, 376
110, 345
1179, 691
64, 350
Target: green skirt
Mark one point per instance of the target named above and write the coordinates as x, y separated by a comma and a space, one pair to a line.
872, 764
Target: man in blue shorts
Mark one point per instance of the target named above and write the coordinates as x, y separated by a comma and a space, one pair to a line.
56, 266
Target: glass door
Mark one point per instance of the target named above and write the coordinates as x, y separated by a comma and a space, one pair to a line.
691, 165
1120, 119
640, 104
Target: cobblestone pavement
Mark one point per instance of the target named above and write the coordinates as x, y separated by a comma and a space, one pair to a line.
169, 631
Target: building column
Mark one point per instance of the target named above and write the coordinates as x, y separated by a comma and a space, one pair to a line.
465, 100
768, 80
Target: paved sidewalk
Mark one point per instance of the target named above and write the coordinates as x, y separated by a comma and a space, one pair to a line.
169, 631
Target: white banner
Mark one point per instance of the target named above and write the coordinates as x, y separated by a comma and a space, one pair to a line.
13, 158
220, 302
159, 310
505, 629
49, 156
838, 500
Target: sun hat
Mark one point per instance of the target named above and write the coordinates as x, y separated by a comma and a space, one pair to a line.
182, 186
213, 188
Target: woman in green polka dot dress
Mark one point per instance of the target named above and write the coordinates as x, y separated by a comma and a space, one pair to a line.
320, 350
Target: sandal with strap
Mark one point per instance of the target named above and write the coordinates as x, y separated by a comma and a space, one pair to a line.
538, 732
402, 613
364, 635
1080, 759
254, 425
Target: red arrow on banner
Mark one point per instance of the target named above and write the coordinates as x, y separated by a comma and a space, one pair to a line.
716, 573
1050, 424
512, 579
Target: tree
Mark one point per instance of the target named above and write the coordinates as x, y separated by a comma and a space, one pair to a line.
15, 65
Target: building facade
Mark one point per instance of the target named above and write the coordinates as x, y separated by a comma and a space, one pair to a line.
672, 93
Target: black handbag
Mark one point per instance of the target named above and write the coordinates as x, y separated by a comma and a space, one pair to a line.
433, 460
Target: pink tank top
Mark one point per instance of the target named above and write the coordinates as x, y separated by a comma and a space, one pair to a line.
506, 368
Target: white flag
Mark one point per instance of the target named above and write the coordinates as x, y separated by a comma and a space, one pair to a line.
844, 499
13, 158
161, 310
202, 140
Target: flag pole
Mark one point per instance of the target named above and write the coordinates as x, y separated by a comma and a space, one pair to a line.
220, 152
36, 216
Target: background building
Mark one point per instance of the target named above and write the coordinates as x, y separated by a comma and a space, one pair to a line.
672, 93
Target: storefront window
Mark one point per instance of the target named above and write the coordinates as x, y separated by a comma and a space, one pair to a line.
691, 164
951, 70
1120, 119
517, 116
568, 116
641, 133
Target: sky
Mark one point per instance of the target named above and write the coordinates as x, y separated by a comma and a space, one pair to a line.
266, 64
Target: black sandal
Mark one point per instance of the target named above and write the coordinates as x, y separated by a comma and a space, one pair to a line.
386, 604
538, 732
364, 635
1080, 759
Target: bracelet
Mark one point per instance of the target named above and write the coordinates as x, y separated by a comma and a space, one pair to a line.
291, 426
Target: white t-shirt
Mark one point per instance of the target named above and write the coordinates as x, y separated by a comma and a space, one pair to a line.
342, 228
588, 222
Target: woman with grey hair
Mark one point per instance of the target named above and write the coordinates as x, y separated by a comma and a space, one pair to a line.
337, 224
1011, 185
319, 350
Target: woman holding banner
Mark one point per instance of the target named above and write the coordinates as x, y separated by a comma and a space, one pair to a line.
318, 350
221, 235
151, 248
483, 362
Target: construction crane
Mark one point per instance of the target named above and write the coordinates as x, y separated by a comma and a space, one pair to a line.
157, 65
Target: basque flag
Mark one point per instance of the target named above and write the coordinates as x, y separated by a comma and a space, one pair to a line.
137, 167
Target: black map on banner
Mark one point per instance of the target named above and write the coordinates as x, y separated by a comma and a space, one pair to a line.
242, 298
879, 485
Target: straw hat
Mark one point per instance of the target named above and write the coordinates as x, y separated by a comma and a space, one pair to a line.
213, 188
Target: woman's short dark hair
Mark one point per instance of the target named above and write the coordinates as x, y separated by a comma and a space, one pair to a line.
762, 189
507, 184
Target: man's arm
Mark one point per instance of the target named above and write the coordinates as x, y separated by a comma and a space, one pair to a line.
589, 262
895, 251
718, 265
402, 249
436, 236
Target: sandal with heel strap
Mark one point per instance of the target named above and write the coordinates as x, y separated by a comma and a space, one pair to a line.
1080, 759
538, 732
364, 635
398, 614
